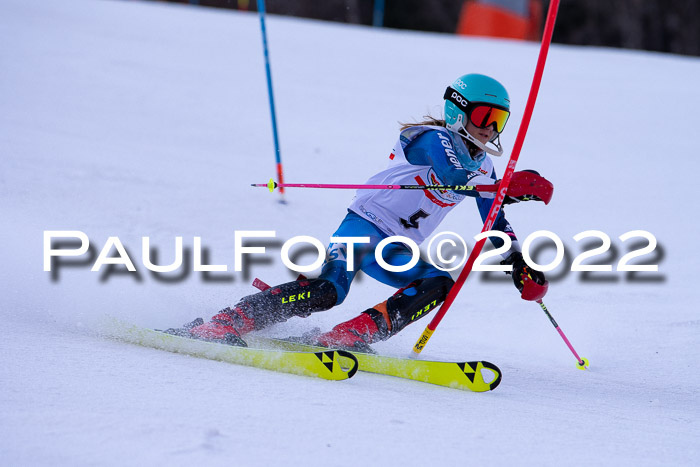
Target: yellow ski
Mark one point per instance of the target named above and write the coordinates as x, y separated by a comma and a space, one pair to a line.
320, 363
456, 375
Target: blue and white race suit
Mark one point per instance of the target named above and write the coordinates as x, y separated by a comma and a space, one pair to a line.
423, 155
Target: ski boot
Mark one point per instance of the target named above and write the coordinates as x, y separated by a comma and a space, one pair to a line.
274, 305
389, 317
356, 334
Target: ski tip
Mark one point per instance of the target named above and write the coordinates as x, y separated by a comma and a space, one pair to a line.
583, 364
496, 371
352, 369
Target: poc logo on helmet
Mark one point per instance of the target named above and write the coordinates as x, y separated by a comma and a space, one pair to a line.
462, 101
461, 84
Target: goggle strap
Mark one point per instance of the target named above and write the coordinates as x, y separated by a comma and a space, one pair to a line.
451, 95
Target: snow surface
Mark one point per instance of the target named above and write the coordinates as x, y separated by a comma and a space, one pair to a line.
131, 119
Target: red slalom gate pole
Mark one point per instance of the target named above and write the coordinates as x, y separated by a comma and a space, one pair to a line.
503, 187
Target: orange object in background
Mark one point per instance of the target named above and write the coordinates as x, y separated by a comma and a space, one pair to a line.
482, 19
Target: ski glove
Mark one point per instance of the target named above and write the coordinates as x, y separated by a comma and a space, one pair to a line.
522, 270
528, 185
517, 199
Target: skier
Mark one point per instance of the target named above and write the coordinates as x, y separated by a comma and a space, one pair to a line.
451, 151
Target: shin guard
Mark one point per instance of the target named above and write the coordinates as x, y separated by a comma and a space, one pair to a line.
297, 298
408, 305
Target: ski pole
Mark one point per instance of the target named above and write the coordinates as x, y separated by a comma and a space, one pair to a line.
501, 194
530, 185
581, 363
271, 185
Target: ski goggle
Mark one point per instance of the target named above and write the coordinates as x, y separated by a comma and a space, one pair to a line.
481, 115
484, 115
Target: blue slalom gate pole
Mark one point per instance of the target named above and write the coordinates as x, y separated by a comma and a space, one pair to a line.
278, 158
378, 14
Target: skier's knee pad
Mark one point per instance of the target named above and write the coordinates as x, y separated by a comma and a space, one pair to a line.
297, 298
410, 304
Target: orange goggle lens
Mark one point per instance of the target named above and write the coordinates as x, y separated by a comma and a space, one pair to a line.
483, 116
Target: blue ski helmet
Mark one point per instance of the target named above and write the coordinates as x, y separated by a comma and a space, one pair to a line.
468, 90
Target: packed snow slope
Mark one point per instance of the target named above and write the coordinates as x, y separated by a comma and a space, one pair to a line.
131, 120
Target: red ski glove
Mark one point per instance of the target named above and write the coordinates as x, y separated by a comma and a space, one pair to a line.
528, 185
530, 283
